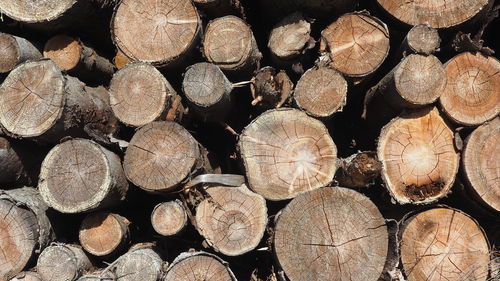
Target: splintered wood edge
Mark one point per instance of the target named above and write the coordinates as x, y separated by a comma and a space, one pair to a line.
32, 11
172, 225
64, 51
186, 256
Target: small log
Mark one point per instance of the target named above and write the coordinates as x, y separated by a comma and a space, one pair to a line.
321, 91
27, 276
358, 170
62, 262
356, 44
443, 244
219, 8
332, 234
141, 263
419, 159
422, 39
232, 219
285, 153
167, 151
12, 170
481, 164
79, 175
199, 266
169, 218
270, 88
471, 94
71, 55
24, 229
229, 43
140, 94
15, 50
38, 101
104, 234
435, 12
163, 33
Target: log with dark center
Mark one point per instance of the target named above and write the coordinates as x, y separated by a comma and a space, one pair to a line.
270, 88
198, 266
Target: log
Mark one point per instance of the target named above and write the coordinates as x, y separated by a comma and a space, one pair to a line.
422, 39
38, 101
471, 94
232, 219
435, 13
419, 159
120, 60
103, 234
270, 88
443, 244
140, 94
33, 11
199, 266
285, 153
15, 50
356, 44
27, 276
24, 228
169, 218
78, 59
62, 262
79, 175
99, 275
321, 91
358, 170
12, 170
481, 164
331, 233
229, 43
141, 263
167, 151
163, 33
219, 8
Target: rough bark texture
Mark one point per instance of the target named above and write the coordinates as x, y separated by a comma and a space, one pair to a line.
422, 39
331, 234
169, 218
159, 32
15, 50
104, 234
471, 94
443, 244
139, 264
80, 175
12, 170
198, 266
62, 262
27, 276
270, 88
140, 94
232, 219
418, 155
358, 170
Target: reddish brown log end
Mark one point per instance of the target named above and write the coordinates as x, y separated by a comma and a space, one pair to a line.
64, 50
101, 234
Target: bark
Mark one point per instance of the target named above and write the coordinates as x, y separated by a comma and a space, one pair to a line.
321, 92
319, 232
270, 88
99, 276
421, 39
142, 30
80, 176
15, 50
471, 93
62, 262
25, 229
12, 170
27, 276
232, 219
169, 218
358, 170
220, 8
199, 266
140, 94
418, 155
104, 234
141, 263
286, 153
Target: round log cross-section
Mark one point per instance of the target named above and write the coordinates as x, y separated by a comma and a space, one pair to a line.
34, 10
419, 159
15, 50
443, 244
198, 266
158, 32
160, 156
139, 264
331, 234
102, 234
80, 175
286, 152
423, 39
471, 94
232, 219
356, 43
169, 218
62, 262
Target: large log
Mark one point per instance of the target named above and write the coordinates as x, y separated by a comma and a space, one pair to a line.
33, 11
418, 155
62, 262
198, 266
24, 227
169, 218
140, 263
104, 234
80, 175
15, 50
331, 234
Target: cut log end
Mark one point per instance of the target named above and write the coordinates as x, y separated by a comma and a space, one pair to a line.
290, 37
102, 234
481, 162
357, 44
418, 157
270, 88
62, 262
120, 60
169, 218
198, 266
443, 244
166, 150
32, 11
321, 92
286, 152
471, 94
320, 232
232, 219
423, 39
9, 52
139, 264
64, 50
27, 276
